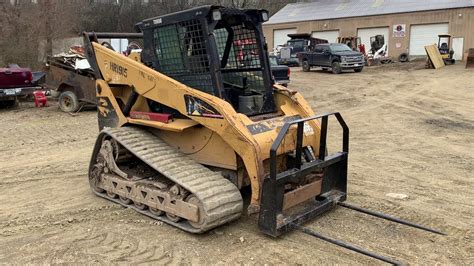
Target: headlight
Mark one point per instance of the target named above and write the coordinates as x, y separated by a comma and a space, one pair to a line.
343, 59
216, 15
265, 16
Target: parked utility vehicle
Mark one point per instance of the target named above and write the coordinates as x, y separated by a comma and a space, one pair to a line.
14, 82
280, 73
74, 87
334, 56
288, 53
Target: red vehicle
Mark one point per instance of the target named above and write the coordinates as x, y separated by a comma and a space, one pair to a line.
14, 82
245, 50
14, 76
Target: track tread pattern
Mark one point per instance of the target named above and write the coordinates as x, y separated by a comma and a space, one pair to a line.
221, 200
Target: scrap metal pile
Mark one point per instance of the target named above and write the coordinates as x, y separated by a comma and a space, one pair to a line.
74, 60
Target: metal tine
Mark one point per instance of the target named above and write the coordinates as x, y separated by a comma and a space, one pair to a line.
346, 245
390, 218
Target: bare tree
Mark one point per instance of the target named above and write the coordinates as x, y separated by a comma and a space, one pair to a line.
26, 24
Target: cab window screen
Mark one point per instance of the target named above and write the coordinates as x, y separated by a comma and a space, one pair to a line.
243, 63
181, 53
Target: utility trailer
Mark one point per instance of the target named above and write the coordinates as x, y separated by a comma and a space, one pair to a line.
74, 87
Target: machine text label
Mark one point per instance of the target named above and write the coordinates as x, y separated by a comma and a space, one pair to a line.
122, 71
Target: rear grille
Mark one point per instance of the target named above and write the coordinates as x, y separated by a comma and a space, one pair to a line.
280, 73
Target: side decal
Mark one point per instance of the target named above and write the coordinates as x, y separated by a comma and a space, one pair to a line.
198, 107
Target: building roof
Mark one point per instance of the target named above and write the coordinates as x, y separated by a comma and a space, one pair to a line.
331, 9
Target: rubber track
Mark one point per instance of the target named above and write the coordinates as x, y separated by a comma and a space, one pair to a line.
221, 200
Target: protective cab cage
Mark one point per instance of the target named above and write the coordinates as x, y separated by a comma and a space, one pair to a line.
220, 51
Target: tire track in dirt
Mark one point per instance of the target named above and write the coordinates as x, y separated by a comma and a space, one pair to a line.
64, 219
393, 149
397, 112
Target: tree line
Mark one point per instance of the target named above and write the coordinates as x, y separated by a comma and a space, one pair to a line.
27, 23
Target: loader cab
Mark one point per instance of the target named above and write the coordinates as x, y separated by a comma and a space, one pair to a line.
444, 47
376, 43
220, 51
444, 41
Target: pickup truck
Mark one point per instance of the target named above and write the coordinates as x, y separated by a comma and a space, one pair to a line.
14, 82
280, 73
334, 56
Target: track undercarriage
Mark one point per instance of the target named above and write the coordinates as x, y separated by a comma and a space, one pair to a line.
134, 168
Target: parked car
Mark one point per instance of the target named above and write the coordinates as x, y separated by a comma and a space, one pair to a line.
15, 82
334, 56
281, 73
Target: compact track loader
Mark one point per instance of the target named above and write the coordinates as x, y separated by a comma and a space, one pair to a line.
195, 116
444, 48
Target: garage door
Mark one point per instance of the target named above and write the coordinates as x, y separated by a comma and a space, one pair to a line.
366, 33
421, 35
331, 35
281, 36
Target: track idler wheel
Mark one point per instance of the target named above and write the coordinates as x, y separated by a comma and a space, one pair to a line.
175, 192
125, 200
156, 212
172, 217
111, 195
139, 205
202, 217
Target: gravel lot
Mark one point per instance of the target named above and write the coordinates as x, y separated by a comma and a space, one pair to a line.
412, 132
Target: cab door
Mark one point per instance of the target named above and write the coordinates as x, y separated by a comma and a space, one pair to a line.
316, 55
325, 58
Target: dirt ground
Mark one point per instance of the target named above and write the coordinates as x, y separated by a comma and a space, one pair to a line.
412, 132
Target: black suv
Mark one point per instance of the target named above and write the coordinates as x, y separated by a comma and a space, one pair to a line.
336, 56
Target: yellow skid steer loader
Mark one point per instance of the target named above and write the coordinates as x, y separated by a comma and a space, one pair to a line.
194, 116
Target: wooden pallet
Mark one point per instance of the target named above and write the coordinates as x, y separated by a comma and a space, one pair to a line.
470, 58
434, 56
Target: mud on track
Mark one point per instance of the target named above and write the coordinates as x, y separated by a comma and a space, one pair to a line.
411, 133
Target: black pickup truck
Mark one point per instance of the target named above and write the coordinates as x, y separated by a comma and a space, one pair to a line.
280, 73
336, 56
